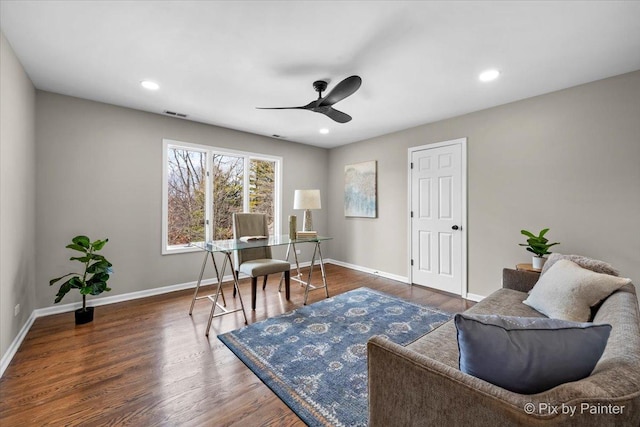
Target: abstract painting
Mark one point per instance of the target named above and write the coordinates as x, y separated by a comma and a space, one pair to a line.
360, 190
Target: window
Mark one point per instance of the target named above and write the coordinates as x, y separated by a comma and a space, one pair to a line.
186, 186
203, 186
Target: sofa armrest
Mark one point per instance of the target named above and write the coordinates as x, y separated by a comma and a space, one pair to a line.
410, 389
518, 280
407, 388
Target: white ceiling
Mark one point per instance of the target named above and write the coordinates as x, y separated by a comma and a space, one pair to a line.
217, 60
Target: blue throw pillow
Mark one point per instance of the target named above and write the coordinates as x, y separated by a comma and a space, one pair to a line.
528, 355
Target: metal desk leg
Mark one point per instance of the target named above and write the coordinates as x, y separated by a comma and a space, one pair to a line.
295, 255
324, 277
214, 298
313, 260
195, 292
236, 287
220, 276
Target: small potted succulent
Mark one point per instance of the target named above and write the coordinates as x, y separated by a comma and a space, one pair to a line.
539, 246
92, 281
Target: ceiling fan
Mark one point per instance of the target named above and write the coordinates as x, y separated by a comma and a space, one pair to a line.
324, 105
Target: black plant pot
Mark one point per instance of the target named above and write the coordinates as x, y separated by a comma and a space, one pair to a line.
83, 316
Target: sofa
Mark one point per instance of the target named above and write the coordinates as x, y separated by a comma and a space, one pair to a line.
420, 384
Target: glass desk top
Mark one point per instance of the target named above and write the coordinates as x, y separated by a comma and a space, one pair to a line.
231, 245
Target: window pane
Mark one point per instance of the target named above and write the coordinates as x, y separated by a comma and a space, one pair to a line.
228, 176
262, 189
186, 197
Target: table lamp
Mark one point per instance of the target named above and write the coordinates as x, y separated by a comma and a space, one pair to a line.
307, 200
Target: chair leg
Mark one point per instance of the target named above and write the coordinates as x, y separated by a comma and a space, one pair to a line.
254, 285
234, 288
287, 284
264, 283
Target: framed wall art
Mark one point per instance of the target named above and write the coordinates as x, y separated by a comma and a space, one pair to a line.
360, 190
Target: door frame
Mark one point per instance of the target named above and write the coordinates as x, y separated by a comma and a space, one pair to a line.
463, 171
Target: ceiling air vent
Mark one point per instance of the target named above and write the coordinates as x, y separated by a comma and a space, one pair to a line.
174, 114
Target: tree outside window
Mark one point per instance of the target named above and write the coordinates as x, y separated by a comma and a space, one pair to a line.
262, 188
205, 186
228, 192
186, 196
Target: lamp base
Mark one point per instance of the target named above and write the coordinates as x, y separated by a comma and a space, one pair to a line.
307, 223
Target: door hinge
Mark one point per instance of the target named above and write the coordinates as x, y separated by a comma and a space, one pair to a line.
412, 262
411, 165
411, 214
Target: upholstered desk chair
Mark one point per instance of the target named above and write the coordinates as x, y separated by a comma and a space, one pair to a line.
256, 262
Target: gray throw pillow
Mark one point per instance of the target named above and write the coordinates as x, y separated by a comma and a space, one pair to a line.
567, 291
528, 355
589, 263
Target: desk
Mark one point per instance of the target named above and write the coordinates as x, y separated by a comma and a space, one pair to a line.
227, 247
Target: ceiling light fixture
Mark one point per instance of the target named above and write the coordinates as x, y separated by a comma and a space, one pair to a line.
147, 84
324, 131
489, 75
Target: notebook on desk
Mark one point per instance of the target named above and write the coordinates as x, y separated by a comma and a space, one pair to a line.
252, 238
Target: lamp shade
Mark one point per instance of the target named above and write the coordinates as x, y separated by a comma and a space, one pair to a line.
306, 199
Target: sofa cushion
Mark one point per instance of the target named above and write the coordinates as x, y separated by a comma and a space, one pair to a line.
567, 291
441, 344
528, 355
584, 262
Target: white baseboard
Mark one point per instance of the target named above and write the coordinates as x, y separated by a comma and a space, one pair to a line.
391, 276
474, 297
47, 311
403, 279
137, 295
65, 308
13, 348
40, 312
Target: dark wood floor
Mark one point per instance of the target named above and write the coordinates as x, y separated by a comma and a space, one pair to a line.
147, 362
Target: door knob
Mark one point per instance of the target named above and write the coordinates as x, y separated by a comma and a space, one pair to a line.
455, 227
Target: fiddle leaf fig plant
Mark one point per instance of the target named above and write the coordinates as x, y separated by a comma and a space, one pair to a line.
97, 270
538, 245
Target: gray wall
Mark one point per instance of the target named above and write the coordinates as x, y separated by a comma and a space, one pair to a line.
99, 172
17, 195
568, 160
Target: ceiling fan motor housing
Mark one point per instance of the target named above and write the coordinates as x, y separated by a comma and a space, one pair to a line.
320, 86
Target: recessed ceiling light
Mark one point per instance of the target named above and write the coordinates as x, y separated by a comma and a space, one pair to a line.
489, 75
324, 131
149, 85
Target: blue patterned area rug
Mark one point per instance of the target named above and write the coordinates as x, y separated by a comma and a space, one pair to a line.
315, 357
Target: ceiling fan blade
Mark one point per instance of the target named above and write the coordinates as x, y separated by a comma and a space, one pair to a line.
343, 89
336, 115
280, 108
309, 106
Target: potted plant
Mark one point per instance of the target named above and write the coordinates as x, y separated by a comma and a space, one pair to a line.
539, 246
93, 280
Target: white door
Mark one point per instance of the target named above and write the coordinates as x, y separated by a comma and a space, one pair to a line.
437, 217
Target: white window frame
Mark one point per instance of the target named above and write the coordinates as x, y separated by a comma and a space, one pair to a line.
210, 151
